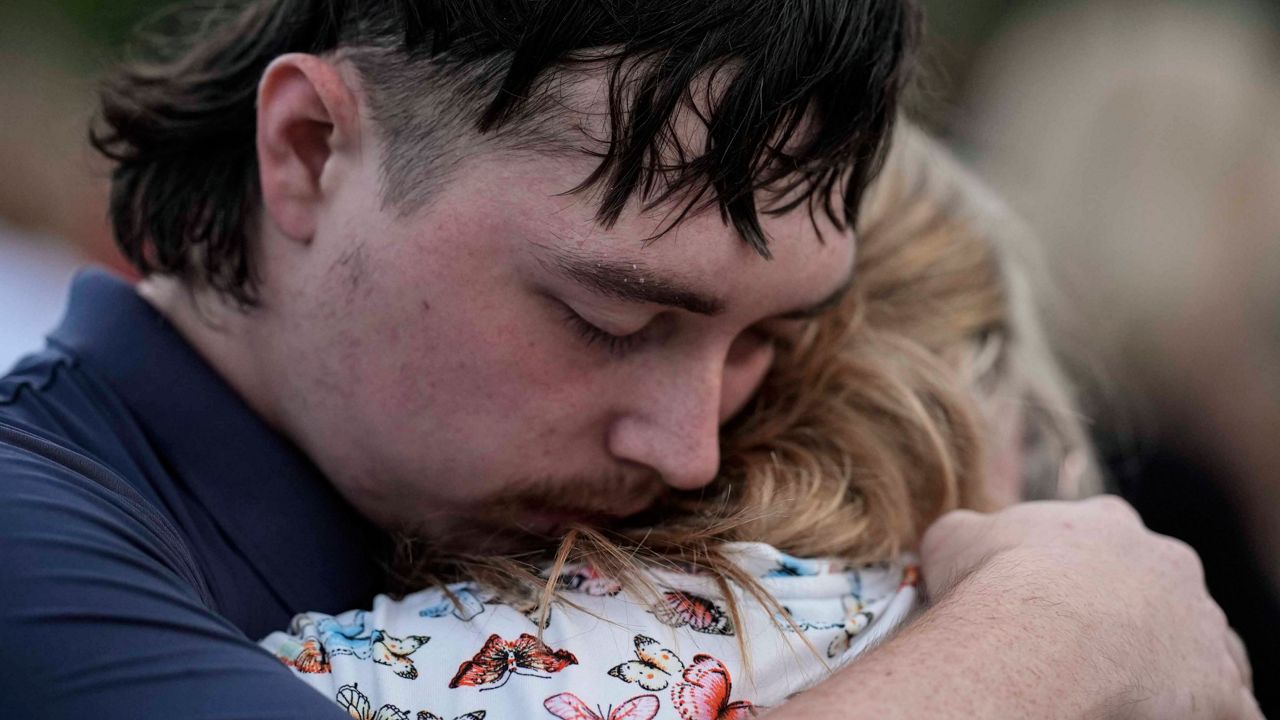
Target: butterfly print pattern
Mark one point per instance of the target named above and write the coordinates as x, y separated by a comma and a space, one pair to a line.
857, 621
394, 653
465, 604
313, 653
586, 579
704, 692
653, 668
684, 609
568, 706
788, 566
858, 616
607, 657
500, 659
471, 602
787, 621
306, 656
357, 705
477, 715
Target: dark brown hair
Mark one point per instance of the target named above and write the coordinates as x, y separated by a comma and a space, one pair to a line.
179, 121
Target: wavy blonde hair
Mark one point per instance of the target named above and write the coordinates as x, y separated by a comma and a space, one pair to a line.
879, 418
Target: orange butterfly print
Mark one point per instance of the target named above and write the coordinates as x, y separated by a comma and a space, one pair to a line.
568, 706
307, 656
680, 609
705, 691
587, 579
500, 659
910, 576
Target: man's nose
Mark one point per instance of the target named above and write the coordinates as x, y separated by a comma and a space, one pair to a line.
745, 368
673, 427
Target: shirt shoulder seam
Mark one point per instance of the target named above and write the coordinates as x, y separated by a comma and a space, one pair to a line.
76, 462
11, 395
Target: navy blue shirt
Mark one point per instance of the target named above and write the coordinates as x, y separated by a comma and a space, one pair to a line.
152, 527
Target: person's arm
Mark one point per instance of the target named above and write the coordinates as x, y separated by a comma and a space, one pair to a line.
1049, 610
98, 622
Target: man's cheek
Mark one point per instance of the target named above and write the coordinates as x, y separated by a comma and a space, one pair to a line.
531, 345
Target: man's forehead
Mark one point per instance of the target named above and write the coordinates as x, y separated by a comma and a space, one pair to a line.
581, 130
632, 278
704, 273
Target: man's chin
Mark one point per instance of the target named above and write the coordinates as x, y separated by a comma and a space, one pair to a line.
524, 532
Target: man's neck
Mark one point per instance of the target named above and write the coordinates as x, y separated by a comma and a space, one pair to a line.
220, 333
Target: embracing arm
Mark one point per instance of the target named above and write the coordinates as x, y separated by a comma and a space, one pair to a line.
100, 623
1049, 610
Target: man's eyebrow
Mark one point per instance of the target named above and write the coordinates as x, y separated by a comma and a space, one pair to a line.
823, 305
627, 280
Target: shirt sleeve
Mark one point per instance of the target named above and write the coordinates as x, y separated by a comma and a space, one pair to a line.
99, 622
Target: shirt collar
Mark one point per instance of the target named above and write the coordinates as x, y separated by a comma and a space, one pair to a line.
273, 503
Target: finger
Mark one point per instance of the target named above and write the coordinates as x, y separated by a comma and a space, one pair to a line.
1240, 656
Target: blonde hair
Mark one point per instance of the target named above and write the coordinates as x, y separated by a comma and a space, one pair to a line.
875, 421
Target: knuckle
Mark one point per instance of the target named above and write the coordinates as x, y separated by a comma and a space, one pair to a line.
1114, 506
963, 514
1220, 622
1218, 616
956, 518
946, 528
1182, 555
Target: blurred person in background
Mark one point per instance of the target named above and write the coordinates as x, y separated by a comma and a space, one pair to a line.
35, 273
52, 202
1140, 138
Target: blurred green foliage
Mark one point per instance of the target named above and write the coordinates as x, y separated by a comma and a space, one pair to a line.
105, 23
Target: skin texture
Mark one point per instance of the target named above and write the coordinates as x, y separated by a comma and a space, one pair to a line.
429, 364
447, 337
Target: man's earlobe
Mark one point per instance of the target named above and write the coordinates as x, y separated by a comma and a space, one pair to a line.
307, 116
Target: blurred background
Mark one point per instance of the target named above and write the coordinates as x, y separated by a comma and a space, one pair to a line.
1139, 139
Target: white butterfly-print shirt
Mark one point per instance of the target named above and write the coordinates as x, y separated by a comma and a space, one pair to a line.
466, 655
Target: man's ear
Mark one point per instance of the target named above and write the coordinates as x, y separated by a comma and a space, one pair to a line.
307, 117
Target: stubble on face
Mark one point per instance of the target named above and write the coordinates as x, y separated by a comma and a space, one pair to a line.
532, 514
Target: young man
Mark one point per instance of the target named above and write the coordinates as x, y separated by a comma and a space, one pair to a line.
467, 272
